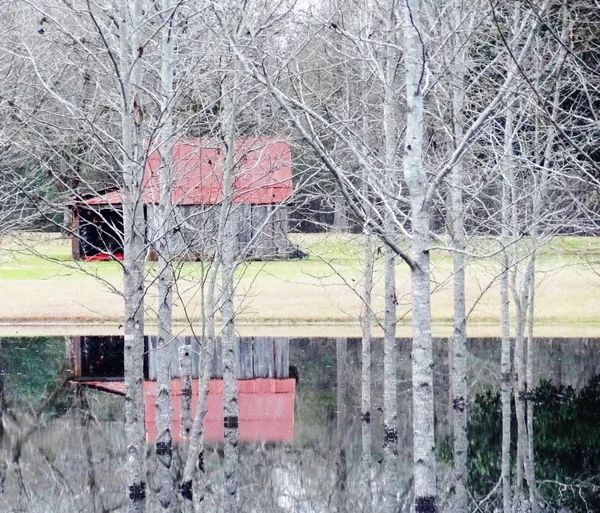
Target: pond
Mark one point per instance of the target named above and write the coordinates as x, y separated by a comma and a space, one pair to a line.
64, 446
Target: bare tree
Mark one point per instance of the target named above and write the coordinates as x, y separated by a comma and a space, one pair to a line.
164, 439
458, 343
131, 84
340, 498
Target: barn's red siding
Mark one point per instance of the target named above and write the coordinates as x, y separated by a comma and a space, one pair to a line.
263, 174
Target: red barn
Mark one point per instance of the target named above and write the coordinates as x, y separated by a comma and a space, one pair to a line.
262, 185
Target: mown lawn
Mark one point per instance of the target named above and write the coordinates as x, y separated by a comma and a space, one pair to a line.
41, 283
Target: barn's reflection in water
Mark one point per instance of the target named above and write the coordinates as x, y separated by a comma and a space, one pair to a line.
265, 390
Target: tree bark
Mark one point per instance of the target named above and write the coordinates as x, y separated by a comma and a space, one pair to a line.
458, 357
341, 488
531, 479
3, 442
367, 296
521, 391
540, 181
194, 464
340, 219
185, 363
230, 400
506, 356
365, 410
131, 74
422, 354
164, 437
92, 482
390, 352
2, 400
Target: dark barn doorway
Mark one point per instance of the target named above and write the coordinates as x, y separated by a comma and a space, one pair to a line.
101, 233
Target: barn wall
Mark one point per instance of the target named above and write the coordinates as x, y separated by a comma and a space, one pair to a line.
75, 245
261, 231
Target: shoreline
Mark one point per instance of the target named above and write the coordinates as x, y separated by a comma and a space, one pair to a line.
298, 329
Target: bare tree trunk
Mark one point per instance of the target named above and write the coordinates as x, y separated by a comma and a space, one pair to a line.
521, 391
540, 186
185, 363
341, 488
458, 357
92, 482
422, 353
367, 298
390, 407
2, 399
195, 457
230, 400
458, 346
506, 357
507, 281
531, 479
390, 352
164, 438
340, 220
131, 74
3, 442
365, 415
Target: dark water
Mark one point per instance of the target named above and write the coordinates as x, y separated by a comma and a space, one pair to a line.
63, 449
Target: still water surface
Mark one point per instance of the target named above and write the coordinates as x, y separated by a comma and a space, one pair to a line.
63, 449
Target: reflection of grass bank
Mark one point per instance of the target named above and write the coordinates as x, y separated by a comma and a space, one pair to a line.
566, 442
317, 289
31, 366
315, 412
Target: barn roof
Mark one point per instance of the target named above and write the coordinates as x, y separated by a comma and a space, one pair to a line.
266, 408
263, 173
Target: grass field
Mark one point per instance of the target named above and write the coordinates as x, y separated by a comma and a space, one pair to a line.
40, 284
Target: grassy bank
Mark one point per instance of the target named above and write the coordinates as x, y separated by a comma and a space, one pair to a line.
40, 284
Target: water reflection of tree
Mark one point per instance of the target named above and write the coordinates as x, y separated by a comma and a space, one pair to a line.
76, 457
567, 445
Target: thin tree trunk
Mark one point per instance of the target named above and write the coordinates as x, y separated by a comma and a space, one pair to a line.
521, 392
367, 303
422, 354
508, 263
506, 356
194, 463
341, 489
92, 482
390, 356
185, 363
340, 220
3, 442
390, 400
506, 372
131, 72
458, 377
531, 479
458, 346
512, 226
164, 438
2, 399
365, 414
540, 187
230, 400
